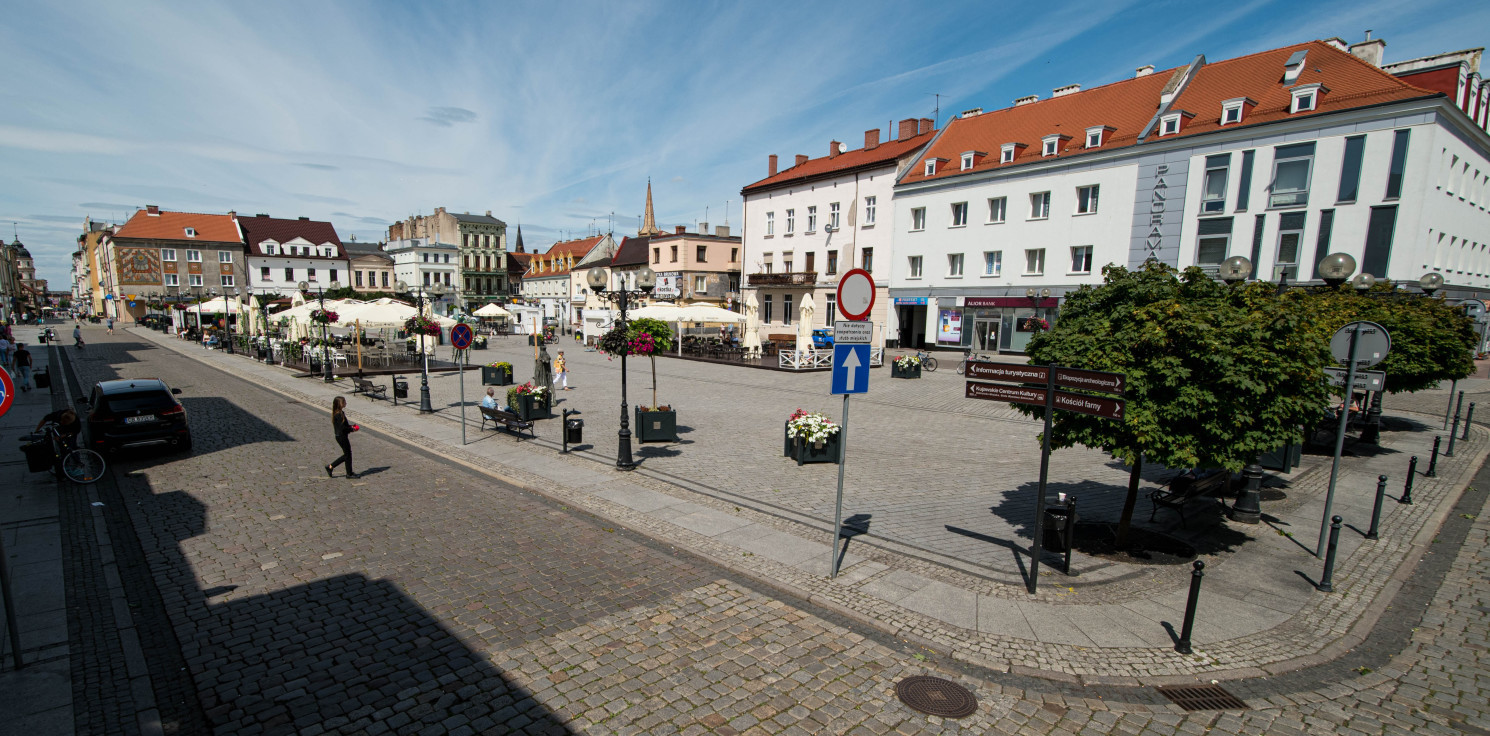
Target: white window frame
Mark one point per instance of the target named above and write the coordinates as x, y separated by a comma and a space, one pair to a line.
1169, 125
915, 267
870, 203
191, 232
1296, 263
1006, 153
1036, 206
993, 263
955, 265
1092, 199
967, 161
791, 221
194, 280
811, 219
833, 210
227, 280
918, 219
193, 256
1095, 135
767, 260
959, 214
1230, 108
998, 210
268, 249
1211, 205
168, 254
1225, 238
225, 256
173, 280
930, 167
1034, 261
1305, 98
1050, 147
770, 224
1081, 255
1308, 183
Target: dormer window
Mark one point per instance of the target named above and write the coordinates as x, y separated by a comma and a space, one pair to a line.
1052, 144
1097, 135
932, 164
1234, 109
1008, 151
971, 159
1306, 97
1294, 66
1174, 122
191, 232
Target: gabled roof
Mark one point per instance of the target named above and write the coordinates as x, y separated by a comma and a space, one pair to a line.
258, 229
480, 219
555, 261
633, 252
1129, 105
883, 154
165, 225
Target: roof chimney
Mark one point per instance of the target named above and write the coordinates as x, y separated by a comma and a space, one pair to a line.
907, 130
232, 213
1026, 100
152, 209
975, 112
801, 159
1143, 71
771, 160
261, 214
927, 125
721, 231
1066, 90
703, 228
1370, 50
304, 218
488, 213
871, 139
833, 149
680, 229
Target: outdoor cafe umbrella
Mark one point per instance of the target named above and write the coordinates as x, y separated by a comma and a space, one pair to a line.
804, 325
752, 338
492, 310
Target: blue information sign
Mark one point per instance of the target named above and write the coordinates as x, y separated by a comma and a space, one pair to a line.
461, 336
850, 369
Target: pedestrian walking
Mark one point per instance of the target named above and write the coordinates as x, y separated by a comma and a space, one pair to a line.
77, 336
561, 370
111, 325
23, 365
342, 428
5, 352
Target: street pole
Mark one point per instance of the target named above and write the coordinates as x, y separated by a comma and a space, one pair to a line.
838, 506
623, 454
1038, 544
460, 368
424, 405
1453, 388
1329, 498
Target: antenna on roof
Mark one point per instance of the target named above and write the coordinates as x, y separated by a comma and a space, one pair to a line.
726, 213
937, 113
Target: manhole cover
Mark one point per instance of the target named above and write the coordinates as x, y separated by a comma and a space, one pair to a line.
1202, 697
936, 697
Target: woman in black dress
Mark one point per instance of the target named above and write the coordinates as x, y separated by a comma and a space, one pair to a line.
342, 428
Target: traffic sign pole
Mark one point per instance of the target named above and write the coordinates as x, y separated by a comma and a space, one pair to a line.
460, 368
1329, 497
838, 506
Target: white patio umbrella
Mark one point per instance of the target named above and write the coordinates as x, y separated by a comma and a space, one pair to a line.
661, 311
707, 313
804, 325
492, 310
221, 304
752, 338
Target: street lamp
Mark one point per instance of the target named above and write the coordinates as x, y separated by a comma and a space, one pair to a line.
1235, 269
646, 279
325, 341
1336, 268
228, 315
1247, 508
1430, 282
437, 289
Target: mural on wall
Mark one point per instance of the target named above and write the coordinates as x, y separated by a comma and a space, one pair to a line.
139, 266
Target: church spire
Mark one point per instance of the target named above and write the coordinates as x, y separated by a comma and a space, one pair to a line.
520, 239
649, 220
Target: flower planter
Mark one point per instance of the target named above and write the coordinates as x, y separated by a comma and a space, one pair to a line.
787, 443
494, 376
828, 453
531, 407
656, 426
911, 372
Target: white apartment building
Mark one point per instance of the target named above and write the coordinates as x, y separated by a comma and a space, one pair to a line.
1282, 157
423, 262
555, 279
808, 224
282, 253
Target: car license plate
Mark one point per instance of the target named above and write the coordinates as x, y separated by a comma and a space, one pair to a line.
139, 419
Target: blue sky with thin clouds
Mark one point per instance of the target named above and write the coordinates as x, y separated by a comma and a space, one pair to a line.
550, 114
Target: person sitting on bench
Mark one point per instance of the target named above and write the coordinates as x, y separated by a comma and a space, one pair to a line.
490, 400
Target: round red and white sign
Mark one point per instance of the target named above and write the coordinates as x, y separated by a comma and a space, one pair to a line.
855, 294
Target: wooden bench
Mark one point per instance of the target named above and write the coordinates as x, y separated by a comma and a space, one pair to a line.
1186, 487
369, 389
507, 419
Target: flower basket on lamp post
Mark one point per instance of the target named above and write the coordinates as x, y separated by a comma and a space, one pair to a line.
645, 337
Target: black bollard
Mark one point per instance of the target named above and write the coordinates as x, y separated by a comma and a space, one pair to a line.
1326, 583
1412, 469
1070, 530
1467, 419
1453, 435
1433, 459
1381, 492
1183, 645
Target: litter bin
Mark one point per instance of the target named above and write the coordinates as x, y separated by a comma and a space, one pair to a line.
43, 379
400, 388
1060, 521
574, 431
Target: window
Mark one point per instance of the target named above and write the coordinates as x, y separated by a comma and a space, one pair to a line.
447, 276
770, 224
786, 309
1034, 261
993, 263
786, 263
959, 214
918, 218
1169, 125
447, 260
967, 161
1213, 191
998, 209
700, 252
1290, 240
1244, 187
1006, 153
830, 305
1305, 98
833, 216
1039, 205
657, 255
766, 308
167, 254
869, 204
766, 261
700, 284
290, 275
1049, 149
1291, 168
268, 250
264, 274
194, 279
227, 280
333, 274
1081, 259
357, 277
1214, 242
1350, 169
310, 274
867, 259
734, 255
1231, 110
1086, 200
225, 256
915, 263
385, 279
812, 219
954, 265
191, 232
930, 167
1094, 138
791, 221
465, 260
1399, 164
426, 257
832, 262
811, 265
674, 254
194, 256
172, 280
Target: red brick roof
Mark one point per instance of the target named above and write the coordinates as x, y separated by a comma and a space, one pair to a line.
1128, 105
554, 262
885, 153
258, 229
173, 225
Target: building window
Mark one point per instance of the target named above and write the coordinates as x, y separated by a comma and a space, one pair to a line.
1169, 125
699, 253
767, 261
172, 280
1039, 205
333, 274
1399, 164
1034, 261
657, 255
673, 252
931, 167
225, 256
1350, 169
734, 255
1086, 200
833, 216
268, 250
770, 224
766, 308
993, 263
786, 309
193, 256
811, 265
1244, 187
1215, 241
310, 274
358, 278
1081, 259
465, 260
385, 279
832, 262
227, 280
426, 257
447, 260
812, 219
918, 218
1290, 241
1291, 169
1006, 154
954, 265
1213, 193
998, 209
1049, 148
915, 263
959, 214
1094, 136
191, 232
869, 204
786, 263
967, 161
1305, 98
290, 274
830, 306
194, 279
791, 221
867, 259
1231, 110
264, 273
167, 254
700, 284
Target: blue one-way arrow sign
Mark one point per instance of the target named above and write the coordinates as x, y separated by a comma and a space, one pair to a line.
850, 369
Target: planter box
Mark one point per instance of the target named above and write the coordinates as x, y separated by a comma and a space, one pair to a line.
479, 343
911, 372
828, 453
491, 376
530, 407
656, 426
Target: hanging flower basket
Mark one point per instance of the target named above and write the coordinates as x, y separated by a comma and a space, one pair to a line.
323, 316
422, 325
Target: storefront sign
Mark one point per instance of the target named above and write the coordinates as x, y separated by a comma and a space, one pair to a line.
949, 326
1007, 301
910, 300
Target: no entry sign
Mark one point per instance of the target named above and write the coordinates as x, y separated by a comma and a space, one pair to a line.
855, 294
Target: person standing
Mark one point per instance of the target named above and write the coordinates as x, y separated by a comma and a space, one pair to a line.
342, 429
77, 336
111, 325
23, 365
4, 352
561, 369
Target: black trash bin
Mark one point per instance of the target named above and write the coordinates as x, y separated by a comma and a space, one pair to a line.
400, 388
574, 431
1060, 522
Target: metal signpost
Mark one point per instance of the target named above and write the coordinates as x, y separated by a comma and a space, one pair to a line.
460, 339
1052, 399
7, 397
1357, 345
850, 373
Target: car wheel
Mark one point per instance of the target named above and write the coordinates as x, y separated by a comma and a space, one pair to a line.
185, 445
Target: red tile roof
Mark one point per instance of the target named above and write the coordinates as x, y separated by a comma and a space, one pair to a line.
1128, 105
257, 229
173, 225
885, 153
554, 262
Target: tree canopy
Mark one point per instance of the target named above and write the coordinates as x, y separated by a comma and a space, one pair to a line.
1431, 340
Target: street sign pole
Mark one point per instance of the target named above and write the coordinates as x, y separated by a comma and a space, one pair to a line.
460, 368
1035, 548
1329, 497
838, 506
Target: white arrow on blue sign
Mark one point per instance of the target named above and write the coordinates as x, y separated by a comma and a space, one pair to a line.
850, 369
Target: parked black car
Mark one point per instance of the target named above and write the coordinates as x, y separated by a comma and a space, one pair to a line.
136, 412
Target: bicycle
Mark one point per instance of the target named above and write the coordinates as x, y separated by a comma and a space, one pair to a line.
79, 465
969, 357
928, 363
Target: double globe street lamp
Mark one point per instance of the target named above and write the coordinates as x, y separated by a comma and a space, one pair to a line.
646, 280
437, 290
325, 340
227, 315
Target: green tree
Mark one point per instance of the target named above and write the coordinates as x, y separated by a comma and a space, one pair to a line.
1431, 340
643, 336
1216, 374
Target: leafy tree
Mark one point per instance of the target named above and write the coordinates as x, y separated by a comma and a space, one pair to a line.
1216, 374
1431, 341
643, 336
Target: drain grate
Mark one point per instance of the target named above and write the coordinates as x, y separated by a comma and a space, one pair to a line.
936, 697
1202, 697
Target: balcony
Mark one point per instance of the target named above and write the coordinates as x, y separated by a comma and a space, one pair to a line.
792, 278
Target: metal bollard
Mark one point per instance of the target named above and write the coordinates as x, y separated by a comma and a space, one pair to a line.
1381, 492
1326, 583
1467, 419
1433, 459
1412, 469
1453, 435
1183, 645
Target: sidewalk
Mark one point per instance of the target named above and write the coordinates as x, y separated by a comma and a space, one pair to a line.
1259, 612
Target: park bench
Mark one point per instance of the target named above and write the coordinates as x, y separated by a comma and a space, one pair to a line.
512, 422
369, 389
1186, 487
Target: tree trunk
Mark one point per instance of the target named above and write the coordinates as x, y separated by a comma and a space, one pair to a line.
654, 381
1128, 503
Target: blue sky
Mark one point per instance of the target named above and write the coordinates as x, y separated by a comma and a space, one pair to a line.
552, 114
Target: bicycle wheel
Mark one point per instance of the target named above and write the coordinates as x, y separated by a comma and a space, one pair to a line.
83, 466
929, 363
962, 367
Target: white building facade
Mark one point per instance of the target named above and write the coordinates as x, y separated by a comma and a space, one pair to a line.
423, 262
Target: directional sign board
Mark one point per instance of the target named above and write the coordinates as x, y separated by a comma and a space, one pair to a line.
461, 336
1100, 406
1372, 344
1364, 380
1007, 372
855, 294
1014, 394
1112, 383
850, 369
852, 333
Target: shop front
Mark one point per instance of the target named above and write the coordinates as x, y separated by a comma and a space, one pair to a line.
992, 324
910, 312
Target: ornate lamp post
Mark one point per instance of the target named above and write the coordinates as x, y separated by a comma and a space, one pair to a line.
1247, 508
228, 315
1336, 268
646, 279
325, 341
437, 290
